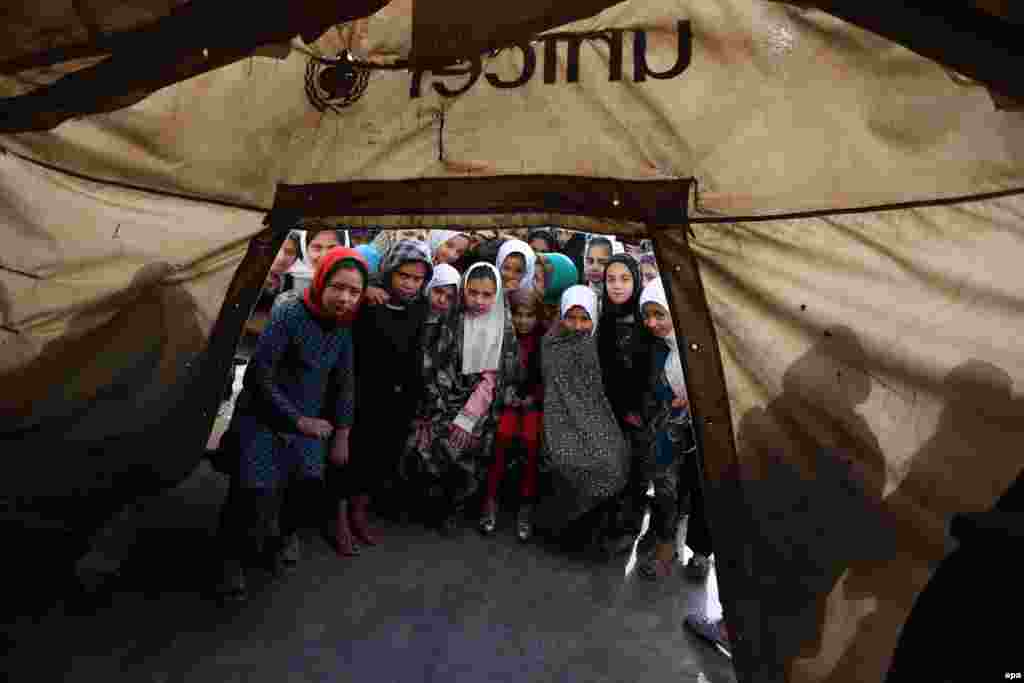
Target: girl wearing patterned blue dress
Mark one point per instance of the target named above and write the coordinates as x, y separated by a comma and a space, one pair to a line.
282, 426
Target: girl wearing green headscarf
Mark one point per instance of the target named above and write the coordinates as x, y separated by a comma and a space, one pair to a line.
554, 273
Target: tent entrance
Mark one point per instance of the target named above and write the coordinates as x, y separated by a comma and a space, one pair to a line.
632, 210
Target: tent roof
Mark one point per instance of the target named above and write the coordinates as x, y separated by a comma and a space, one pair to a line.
777, 109
111, 54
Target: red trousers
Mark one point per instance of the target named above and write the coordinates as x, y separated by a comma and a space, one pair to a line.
515, 424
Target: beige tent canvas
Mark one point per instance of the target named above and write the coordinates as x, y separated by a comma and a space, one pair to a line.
840, 219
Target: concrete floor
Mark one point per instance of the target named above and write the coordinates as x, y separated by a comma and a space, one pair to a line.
417, 608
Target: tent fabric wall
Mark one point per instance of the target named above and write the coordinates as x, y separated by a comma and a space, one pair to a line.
107, 299
779, 109
70, 244
875, 374
872, 361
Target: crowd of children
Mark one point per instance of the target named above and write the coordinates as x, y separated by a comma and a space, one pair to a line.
416, 369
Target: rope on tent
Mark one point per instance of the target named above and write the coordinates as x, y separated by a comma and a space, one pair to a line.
23, 273
822, 213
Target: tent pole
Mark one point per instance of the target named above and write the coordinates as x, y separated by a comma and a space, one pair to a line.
709, 406
241, 298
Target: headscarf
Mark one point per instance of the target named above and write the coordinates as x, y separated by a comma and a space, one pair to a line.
371, 255
612, 312
296, 237
546, 235
630, 307
439, 237
615, 245
482, 335
444, 275
334, 260
563, 274
277, 281
655, 293
529, 260
581, 295
647, 259
403, 252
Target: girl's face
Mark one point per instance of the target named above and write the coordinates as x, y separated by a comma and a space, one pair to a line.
577, 319
649, 273
480, 295
524, 319
597, 258
441, 298
618, 282
452, 250
343, 291
285, 258
538, 277
657, 320
408, 278
539, 245
512, 270
324, 241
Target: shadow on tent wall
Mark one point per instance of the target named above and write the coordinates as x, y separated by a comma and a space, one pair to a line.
113, 411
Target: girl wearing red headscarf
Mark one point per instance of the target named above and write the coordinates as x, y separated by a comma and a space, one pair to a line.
295, 410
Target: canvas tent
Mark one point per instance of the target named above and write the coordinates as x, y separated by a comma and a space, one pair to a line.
857, 374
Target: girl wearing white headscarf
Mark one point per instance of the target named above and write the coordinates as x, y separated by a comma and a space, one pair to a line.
516, 273
584, 299
465, 370
444, 277
448, 246
669, 432
587, 453
443, 298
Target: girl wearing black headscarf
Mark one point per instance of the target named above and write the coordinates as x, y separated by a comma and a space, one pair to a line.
624, 355
389, 382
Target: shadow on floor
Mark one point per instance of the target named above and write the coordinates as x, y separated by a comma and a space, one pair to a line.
417, 608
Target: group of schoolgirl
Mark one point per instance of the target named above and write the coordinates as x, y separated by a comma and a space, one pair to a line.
409, 371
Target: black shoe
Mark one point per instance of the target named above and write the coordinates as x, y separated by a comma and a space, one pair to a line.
288, 556
524, 522
232, 586
450, 525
